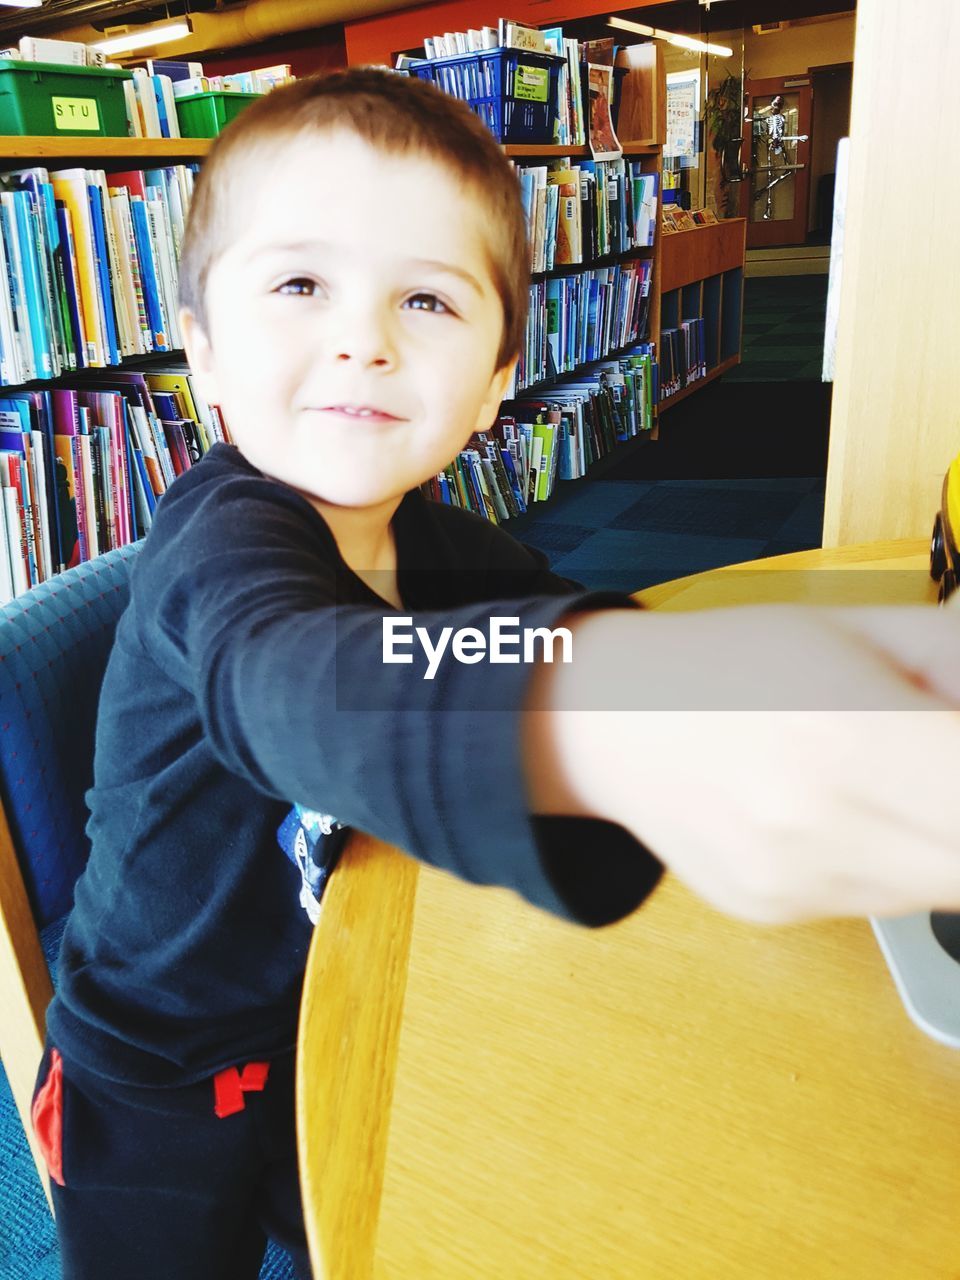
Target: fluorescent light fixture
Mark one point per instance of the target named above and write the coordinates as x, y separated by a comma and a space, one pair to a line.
671, 37
698, 46
626, 25
145, 38
22, 4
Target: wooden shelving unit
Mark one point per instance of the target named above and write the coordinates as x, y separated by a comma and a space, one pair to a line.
701, 275
551, 151
36, 147
649, 154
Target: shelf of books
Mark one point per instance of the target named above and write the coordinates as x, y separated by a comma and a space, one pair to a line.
701, 305
98, 414
98, 411
586, 380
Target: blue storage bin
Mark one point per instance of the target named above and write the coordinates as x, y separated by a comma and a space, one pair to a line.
513, 91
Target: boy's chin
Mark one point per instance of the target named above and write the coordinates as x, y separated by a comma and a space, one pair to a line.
362, 496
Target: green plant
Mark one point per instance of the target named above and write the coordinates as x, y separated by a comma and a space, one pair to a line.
724, 112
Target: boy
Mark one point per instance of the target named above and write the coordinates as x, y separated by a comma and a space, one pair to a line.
353, 283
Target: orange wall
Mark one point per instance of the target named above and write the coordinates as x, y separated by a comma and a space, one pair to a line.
306, 51
793, 50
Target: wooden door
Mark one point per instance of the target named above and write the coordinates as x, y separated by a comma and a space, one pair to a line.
774, 196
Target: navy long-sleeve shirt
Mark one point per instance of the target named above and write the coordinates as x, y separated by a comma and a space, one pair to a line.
247, 674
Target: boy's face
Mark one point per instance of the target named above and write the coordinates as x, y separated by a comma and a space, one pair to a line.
353, 326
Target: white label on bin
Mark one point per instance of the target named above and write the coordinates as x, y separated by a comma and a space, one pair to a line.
76, 113
531, 83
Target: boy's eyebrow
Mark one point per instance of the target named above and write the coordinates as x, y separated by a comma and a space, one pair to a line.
305, 246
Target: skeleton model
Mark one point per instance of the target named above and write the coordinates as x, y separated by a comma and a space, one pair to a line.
769, 126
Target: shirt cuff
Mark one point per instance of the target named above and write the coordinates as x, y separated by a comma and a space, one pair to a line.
584, 869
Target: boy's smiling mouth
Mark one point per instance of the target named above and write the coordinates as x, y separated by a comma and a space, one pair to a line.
367, 412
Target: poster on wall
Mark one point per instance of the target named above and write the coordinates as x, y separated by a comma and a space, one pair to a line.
683, 117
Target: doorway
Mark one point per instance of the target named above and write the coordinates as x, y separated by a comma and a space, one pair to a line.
777, 127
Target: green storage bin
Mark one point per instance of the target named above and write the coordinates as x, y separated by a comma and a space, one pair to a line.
204, 115
55, 100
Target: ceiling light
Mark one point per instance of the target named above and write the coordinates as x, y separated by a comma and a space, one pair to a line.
671, 37
699, 46
22, 4
146, 37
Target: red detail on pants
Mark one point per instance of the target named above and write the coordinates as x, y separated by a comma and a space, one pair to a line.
231, 1084
46, 1115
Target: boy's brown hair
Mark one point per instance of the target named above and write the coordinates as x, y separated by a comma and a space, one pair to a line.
397, 114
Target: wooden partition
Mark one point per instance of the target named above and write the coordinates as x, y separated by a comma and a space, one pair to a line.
699, 252
643, 99
896, 407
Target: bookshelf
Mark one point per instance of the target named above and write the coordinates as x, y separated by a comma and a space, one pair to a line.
83, 452
701, 276
531, 150
578, 424
24, 150
649, 155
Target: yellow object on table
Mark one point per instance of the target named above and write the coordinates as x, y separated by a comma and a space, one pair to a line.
486, 1091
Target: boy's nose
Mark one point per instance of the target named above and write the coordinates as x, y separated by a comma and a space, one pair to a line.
365, 356
365, 340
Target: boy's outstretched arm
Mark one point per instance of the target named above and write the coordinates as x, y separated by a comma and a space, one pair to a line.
781, 761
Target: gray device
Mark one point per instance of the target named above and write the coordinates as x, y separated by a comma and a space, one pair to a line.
923, 954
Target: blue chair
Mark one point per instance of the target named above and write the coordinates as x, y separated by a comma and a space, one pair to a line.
54, 644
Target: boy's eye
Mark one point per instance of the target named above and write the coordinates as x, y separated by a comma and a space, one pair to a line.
427, 302
298, 286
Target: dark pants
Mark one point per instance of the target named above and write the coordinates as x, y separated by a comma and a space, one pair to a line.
157, 1186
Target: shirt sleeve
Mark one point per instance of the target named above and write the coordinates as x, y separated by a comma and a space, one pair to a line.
237, 601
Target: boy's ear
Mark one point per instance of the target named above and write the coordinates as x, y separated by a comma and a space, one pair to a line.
199, 354
498, 389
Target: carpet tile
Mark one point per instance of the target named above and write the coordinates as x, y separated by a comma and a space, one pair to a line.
725, 513
591, 504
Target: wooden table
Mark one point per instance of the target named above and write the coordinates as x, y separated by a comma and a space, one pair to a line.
487, 1092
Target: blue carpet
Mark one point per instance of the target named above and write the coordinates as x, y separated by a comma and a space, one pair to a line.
784, 318
671, 527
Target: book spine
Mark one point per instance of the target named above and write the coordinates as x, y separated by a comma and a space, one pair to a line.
61, 296
121, 204
6, 568
32, 488
103, 536
21, 314
14, 540
40, 273
9, 359
89, 496
148, 272
165, 271
72, 281
21, 486
115, 273
38, 464
79, 494
102, 269
106, 482
163, 450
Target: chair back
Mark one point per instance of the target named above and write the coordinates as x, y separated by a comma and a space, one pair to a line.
54, 644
